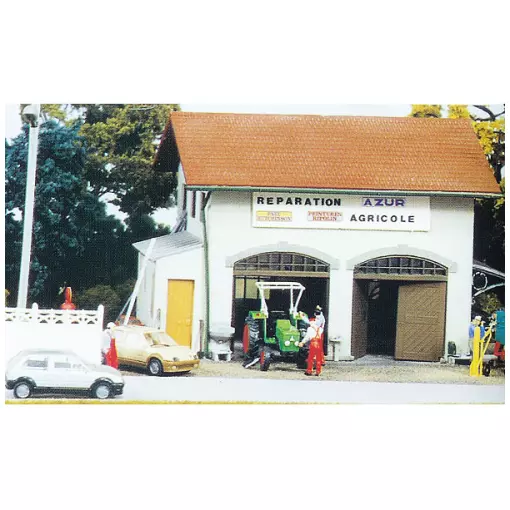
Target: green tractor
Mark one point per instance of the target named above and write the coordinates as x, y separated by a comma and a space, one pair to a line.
269, 334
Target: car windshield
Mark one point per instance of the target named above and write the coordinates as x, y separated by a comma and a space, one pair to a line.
16, 359
159, 338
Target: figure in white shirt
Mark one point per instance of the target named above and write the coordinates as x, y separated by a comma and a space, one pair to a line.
314, 338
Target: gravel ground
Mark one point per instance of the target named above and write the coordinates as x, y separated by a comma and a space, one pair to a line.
368, 368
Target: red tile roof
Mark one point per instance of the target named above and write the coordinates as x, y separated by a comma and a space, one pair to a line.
333, 153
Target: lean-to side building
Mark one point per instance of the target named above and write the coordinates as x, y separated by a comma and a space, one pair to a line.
374, 216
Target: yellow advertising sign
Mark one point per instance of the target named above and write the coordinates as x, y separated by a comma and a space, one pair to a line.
274, 216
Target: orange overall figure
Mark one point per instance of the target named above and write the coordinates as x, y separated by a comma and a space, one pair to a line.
111, 356
316, 353
68, 303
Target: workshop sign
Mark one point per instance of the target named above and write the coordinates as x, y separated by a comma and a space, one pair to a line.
347, 212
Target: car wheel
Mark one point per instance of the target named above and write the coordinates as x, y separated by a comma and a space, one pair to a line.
102, 390
155, 367
23, 389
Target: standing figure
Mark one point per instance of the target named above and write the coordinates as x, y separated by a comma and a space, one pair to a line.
68, 303
108, 347
477, 321
313, 337
321, 321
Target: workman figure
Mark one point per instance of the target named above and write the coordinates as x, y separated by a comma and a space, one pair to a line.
313, 337
321, 321
106, 341
477, 321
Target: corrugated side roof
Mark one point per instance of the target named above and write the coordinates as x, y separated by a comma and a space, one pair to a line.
336, 152
488, 269
170, 244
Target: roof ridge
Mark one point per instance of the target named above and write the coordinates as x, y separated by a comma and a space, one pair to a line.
318, 115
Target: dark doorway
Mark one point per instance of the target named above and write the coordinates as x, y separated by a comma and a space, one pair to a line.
247, 299
382, 317
312, 273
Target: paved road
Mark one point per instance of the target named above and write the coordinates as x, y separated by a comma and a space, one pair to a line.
207, 389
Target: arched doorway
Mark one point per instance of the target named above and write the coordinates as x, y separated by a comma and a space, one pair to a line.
278, 267
399, 308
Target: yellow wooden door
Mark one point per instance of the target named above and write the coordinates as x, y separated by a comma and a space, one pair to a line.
179, 313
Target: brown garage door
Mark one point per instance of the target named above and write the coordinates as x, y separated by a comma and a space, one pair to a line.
421, 321
359, 318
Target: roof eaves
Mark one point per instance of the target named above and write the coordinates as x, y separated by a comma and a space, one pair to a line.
487, 269
262, 189
166, 253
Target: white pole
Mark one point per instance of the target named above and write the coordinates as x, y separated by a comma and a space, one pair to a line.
139, 281
28, 215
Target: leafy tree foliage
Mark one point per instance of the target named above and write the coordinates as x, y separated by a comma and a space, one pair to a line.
426, 110
75, 242
104, 295
121, 146
490, 129
59, 196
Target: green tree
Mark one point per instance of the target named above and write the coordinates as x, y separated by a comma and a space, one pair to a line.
121, 145
59, 192
75, 241
105, 295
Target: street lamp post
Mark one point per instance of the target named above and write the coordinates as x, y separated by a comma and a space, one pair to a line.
29, 114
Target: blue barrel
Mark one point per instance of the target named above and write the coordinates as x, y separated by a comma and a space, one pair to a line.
500, 327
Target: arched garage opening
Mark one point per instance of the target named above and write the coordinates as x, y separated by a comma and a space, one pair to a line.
399, 308
312, 273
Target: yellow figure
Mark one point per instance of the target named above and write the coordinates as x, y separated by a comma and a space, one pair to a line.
475, 369
480, 346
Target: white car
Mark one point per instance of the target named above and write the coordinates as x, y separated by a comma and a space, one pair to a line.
59, 371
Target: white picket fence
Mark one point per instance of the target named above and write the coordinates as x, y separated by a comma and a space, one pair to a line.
77, 330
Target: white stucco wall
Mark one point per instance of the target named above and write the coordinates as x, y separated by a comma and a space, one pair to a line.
145, 303
449, 241
79, 331
186, 265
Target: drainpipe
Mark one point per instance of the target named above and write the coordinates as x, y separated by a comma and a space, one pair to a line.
206, 271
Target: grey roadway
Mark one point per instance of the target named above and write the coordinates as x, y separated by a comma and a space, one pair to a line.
314, 390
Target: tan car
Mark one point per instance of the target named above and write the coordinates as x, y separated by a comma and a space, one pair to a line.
153, 349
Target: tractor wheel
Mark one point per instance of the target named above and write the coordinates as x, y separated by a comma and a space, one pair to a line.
251, 339
246, 338
265, 359
301, 358
486, 369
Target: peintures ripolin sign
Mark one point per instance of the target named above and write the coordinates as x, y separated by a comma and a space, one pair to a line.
337, 212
